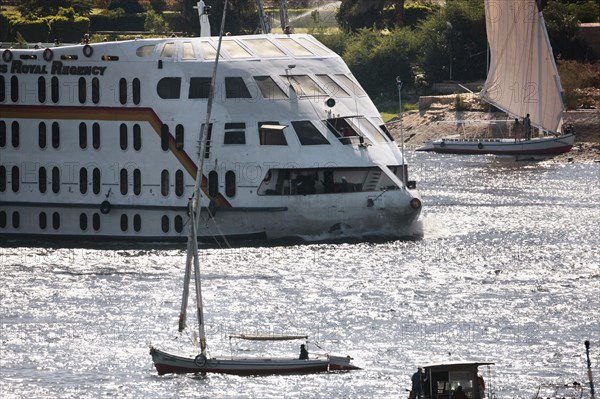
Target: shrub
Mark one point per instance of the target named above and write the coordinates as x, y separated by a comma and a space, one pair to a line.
32, 30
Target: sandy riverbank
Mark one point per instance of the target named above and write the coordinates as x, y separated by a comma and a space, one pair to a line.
438, 118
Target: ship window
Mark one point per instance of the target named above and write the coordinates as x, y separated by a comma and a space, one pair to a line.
165, 223
188, 51
83, 180
137, 182
2, 89
208, 50
164, 182
208, 140
54, 89
123, 181
2, 219
179, 183
82, 90
124, 222
96, 135
269, 89
230, 183
178, 223
179, 137
55, 221
123, 91
15, 178
43, 220
2, 134
96, 180
96, 221
362, 124
145, 51
164, 137
42, 179
308, 134
2, 178
349, 83
294, 47
387, 132
42, 89
264, 48
14, 89
16, 220
42, 135
137, 137
15, 134
332, 87
83, 221
135, 87
310, 45
304, 85
137, 222
123, 136
95, 90
236, 88
199, 87
271, 133
55, 180
234, 49
82, 135
213, 183
55, 135
169, 88
235, 133
168, 50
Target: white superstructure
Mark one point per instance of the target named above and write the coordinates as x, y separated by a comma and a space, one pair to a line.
100, 141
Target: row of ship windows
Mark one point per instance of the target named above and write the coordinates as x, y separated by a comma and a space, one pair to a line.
213, 181
83, 221
82, 90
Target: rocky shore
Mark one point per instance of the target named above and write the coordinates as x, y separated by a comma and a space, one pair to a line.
438, 117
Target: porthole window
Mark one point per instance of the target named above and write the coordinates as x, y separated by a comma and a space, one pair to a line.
42, 89
42, 135
123, 136
164, 137
137, 137
135, 86
96, 135
82, 90
43, 220
164, 182
137, 222
55, 180
165, 224
179, 137
82, 135
169, 88
2, 178
2, 219
123, 181
83, 221
96, 221
16, 220
56, 221
42, 179
54, 89
14, 89
55, 135
15, 134
2, 134
178, 224
96, 181
179, 183
95, 90
137, 182
230, 183
124, 222
213, 183
83, 180
15, 178
123, 91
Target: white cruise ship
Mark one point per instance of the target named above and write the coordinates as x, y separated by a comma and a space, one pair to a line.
100, 142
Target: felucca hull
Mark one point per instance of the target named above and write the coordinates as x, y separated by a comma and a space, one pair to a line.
549, 146
166, 363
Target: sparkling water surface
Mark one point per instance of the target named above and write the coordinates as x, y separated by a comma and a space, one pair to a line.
508, 270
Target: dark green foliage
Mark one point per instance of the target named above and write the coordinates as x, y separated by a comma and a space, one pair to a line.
336, 42
130, 6
158, 5
33, 30
562, 26
42, 8
67, 27
242, 16
5, 35
415, 13
130, 22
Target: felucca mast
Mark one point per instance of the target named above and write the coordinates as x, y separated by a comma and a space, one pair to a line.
195, 208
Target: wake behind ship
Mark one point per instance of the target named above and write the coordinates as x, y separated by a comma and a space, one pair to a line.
100, 142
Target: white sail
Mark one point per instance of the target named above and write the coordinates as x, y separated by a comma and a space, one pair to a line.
522, 78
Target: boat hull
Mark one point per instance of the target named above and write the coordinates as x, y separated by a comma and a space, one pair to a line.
166, 363
544, 146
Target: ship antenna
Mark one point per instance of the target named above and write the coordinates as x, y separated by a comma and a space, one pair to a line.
203, 11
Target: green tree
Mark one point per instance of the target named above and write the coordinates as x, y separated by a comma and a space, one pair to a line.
356, 14
155, 23
44, 8
130, 6
563, 29
242, 16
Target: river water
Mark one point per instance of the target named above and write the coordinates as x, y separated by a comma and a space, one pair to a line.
508, 270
